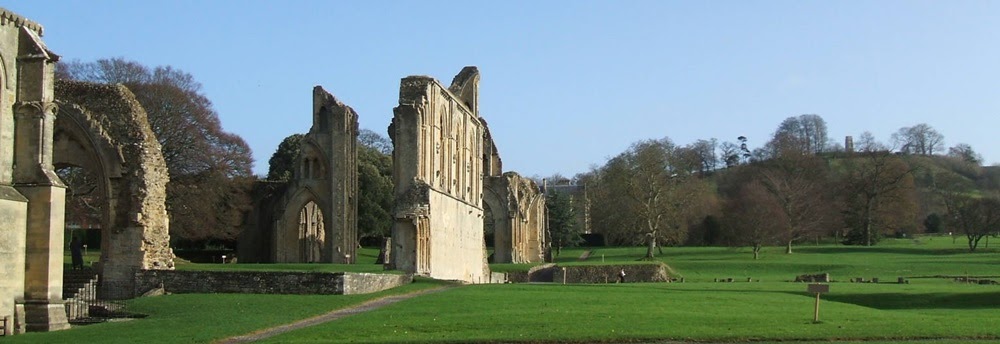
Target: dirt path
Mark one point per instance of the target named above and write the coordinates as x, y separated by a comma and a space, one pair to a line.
334, 315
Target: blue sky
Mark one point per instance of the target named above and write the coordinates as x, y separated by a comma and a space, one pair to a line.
567, 84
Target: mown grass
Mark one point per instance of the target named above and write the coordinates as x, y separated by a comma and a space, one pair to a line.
688, 311
202, 318
700, 310
926, 256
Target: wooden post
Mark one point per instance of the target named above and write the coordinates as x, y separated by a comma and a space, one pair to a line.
817, 289
816, 310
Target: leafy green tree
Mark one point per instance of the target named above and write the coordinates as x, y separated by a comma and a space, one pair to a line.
375, 198
563, 227
965, 152
933, 223
281, 166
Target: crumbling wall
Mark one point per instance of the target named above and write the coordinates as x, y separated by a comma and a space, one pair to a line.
267, 282
437, 169
518, 208
326, 179
104, 128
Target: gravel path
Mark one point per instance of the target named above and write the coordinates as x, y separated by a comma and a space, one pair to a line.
334, 315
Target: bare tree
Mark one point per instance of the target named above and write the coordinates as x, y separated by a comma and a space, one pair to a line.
729, 153
210, 169
800, 185
375, 141
920, 139
801, 134
754, 218
879, 196
965, 152
645, 196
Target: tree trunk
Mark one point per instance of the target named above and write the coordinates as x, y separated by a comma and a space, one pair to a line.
868, 222
650, 246
756, 252
788, 247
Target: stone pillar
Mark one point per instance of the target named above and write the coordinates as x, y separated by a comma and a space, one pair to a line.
35, 178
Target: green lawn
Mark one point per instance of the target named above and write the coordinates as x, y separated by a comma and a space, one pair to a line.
688, 311
769, 311
202, 318
927, 256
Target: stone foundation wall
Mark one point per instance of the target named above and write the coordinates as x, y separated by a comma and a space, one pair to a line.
364, 283
266, 282
609, 273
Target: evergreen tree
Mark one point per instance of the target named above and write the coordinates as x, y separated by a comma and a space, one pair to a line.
563, 227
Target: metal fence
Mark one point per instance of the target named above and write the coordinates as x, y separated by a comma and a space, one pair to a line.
100, 301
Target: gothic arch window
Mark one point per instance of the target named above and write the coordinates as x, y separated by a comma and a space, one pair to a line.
312, 233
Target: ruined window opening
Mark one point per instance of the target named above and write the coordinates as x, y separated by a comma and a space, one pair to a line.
312, 233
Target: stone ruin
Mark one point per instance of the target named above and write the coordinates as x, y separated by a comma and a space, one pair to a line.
313, 217
46, 125
32, 197
513, 208
516, 208
437, 139
104, 130
446, 170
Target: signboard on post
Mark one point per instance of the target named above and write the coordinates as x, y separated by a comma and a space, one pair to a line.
817, 289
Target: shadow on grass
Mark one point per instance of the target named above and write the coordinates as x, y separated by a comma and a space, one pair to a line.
890, 301
892, 250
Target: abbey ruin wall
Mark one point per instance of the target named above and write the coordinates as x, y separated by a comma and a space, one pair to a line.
438, 168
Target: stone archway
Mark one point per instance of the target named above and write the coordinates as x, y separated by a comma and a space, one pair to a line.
324, 183
499, 215
518, 217
103, 129
301, 234
312, 233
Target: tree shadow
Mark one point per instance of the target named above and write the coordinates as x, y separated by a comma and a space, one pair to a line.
891, 301
893, 250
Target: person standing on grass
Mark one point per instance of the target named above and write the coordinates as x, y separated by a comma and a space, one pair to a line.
621, 276
76, 251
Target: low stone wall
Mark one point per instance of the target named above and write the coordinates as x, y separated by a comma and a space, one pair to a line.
591, 273
365, 283
609, 273
540, 273
266, 282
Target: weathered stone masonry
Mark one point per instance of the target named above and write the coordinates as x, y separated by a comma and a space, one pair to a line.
32, 198
437, 137
267, 282
314, 216
103, 129
517, 209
